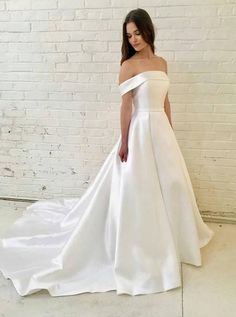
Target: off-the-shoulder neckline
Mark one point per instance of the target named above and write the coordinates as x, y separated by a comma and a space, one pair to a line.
146, 71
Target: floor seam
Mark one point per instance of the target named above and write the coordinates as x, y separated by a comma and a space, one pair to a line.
182, 291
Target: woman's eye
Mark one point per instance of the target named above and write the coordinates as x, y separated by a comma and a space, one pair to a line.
135, 34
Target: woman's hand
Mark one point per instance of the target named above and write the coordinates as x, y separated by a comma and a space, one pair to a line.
123, 153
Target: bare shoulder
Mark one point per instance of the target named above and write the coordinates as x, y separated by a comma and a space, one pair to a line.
162, 60
126, 71
164, 64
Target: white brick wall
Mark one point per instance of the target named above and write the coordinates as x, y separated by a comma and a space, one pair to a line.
59, 103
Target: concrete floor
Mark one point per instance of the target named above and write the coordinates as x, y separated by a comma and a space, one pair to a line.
207, 291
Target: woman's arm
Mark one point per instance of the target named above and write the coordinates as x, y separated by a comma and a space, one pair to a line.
168, 109
125, 116
166, 102
126, 104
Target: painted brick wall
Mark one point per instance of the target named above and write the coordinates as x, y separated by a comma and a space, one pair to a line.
59, 106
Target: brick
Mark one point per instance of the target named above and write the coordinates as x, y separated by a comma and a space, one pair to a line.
60, 99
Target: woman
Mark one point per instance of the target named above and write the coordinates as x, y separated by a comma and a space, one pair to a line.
138, 220
137, 56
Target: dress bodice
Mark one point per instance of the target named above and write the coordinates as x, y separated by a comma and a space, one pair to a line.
149, 90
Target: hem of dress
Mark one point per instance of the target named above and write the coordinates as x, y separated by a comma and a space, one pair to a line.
119, 291
207, 240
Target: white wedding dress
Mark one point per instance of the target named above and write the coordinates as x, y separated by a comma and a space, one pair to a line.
130, 230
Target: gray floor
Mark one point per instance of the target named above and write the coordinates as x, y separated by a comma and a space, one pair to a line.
207, 291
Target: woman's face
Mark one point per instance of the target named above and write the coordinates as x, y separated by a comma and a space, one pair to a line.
134, 36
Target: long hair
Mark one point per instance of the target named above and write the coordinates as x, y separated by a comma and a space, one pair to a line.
145, 26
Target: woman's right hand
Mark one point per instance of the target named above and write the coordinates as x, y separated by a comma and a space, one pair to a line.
123, 153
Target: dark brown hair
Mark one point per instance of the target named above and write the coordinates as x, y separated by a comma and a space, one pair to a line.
145, 26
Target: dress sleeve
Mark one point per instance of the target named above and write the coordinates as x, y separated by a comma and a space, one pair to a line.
130, 84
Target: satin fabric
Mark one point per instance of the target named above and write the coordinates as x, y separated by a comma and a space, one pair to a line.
130, 230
